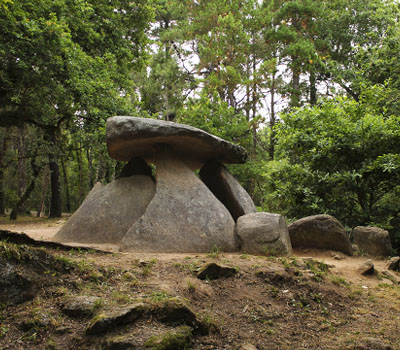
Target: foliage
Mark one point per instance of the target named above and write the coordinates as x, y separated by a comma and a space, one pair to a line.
341, 158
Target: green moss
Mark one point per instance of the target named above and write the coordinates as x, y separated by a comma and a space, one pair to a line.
178, 339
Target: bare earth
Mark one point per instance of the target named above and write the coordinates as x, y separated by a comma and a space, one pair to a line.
271, 303
346, 268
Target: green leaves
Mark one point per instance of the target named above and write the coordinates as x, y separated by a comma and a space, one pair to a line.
340, 157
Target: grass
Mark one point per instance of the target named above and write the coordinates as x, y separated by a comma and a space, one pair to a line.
214, 252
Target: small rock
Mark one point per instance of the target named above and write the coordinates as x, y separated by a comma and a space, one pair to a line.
175, 311
248, 346
120, 343
80, 306
103, 323
367, 268
339, 256
394, 264
177, 339
214, 271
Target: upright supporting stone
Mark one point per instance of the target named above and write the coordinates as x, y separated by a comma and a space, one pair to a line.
109, 211
227, 189
184, 216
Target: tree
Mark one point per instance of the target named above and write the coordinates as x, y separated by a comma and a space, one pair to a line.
66, 63
341, 158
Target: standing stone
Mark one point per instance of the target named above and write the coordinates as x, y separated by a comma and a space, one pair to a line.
261, 233
184, 216
227, 189
109, 211
320, 231
372, 240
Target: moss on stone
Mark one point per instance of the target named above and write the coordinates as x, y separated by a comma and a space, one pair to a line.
178, 339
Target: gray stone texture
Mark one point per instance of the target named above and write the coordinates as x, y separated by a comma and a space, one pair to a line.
129, 137
213, 271
109, 211
263, 233
367, 268
80, 305
227, 189
372, 240
320, 231
184, 216
394, 264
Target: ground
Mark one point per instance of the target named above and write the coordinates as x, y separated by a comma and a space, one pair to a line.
308, 301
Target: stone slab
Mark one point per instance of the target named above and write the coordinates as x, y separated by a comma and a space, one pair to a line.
129, 137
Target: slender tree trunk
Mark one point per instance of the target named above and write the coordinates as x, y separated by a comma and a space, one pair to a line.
295, 98
313, 88
27, 192
45, 185
67, 196
21, 165
55, 202
272, 119
80, 172
4, 146
2, 196
254, 104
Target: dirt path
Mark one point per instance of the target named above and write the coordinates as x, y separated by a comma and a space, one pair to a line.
346, 267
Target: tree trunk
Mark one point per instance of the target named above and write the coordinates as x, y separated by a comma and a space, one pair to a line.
2, 196
272, 119
313, 89
28, 191
67, 196
3, 151
45, 184
55, 202
295, 98
21, 165
79, 160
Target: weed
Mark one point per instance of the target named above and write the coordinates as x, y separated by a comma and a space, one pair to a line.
244, 256
191, 286
210, 322
121, 297
214, 252
318, 268
339, 281
147, 267
270, 251
159, 295
3, 331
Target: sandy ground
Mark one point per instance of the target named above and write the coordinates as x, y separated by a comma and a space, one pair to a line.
346, 267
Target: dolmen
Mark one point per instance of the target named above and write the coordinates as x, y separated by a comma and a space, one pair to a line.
174, 210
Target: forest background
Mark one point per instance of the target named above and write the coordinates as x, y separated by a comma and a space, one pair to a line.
311, 88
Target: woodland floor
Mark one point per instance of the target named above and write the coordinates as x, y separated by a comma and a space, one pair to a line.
270, 303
